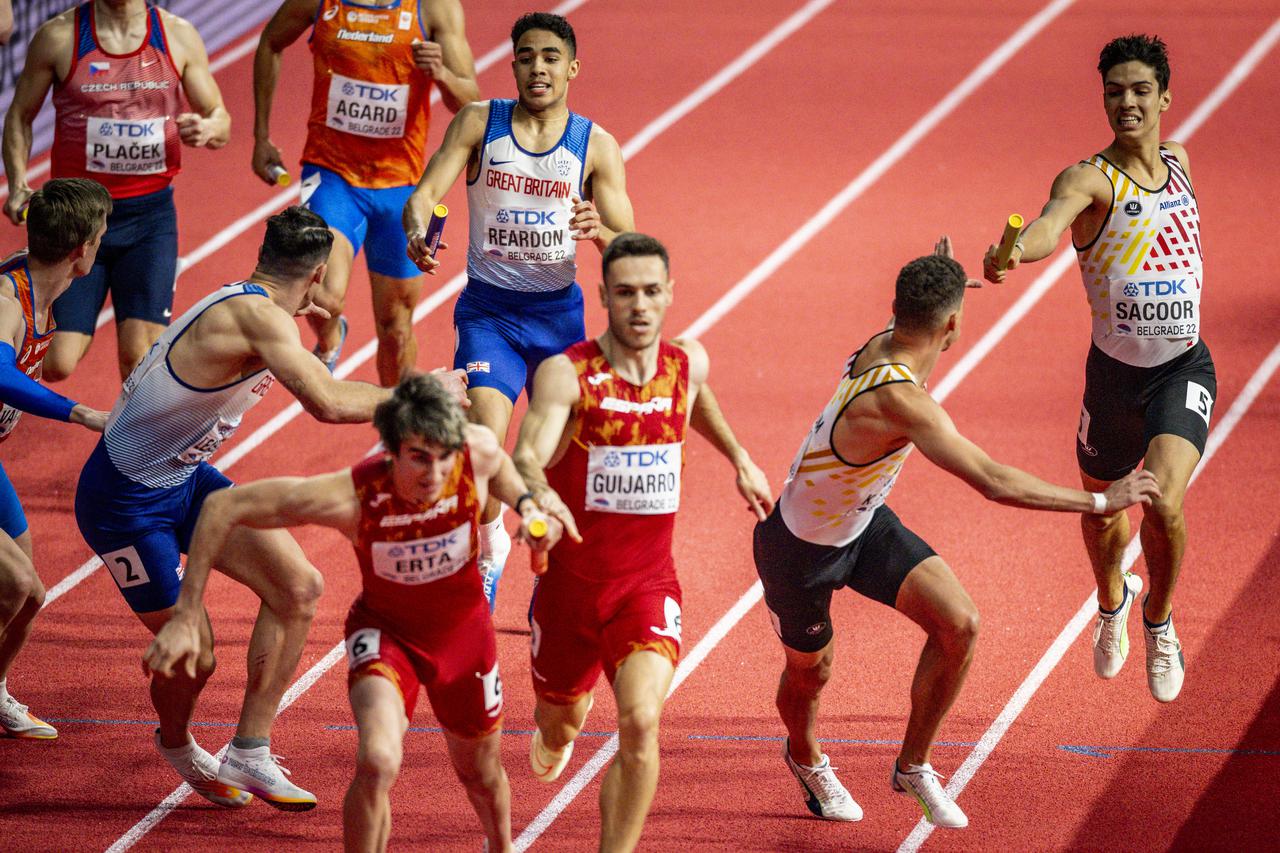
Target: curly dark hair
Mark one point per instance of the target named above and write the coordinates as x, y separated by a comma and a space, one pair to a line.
554, 24
927, 290
1149, 50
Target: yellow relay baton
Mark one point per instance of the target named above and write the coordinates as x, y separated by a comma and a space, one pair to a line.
1012, 231
538, 559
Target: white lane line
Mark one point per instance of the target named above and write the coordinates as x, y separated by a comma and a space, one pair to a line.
736, 294
345, 368
235, 229
180, 793
1083, 617
1071, 631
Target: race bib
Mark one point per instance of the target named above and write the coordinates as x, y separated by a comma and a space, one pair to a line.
528, 236
1167, 307
639, 480
375, 110
208, 444
125, 146
420, 561
8, 420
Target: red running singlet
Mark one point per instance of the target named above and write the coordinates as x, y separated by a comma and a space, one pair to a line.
115, 112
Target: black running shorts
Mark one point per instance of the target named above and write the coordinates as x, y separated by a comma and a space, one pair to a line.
799, 576
1125, 407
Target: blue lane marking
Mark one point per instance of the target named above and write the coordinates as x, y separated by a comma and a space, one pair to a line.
130, 722
438, 730
1106, 751
826, 740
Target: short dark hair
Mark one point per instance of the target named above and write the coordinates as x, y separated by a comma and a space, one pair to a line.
554, 24
633, 244
1149, 50
63, 214
297, 240
421, 406
928, 289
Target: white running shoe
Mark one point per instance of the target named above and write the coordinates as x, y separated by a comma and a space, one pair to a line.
1165, 665
823, 793
1111, 633
17, 721
547, 764
260, 772
921, 782
200, 770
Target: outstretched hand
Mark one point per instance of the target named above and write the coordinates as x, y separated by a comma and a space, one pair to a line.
455, 382
991, 268
754, 486
943, 249
177, 644
1136, 487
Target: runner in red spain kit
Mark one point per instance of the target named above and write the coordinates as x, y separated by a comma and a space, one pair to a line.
412, 514
605, 435
131, 85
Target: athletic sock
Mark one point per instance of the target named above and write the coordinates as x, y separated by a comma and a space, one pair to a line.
1156, 627
4, 689
1124, 597
243, 743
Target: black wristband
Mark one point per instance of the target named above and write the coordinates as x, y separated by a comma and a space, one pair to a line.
527, 496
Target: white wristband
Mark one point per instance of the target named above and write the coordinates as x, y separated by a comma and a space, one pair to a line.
1099, 503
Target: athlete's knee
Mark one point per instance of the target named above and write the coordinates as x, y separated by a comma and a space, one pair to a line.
638, 728
378, 765
1165, 511
483, 775
58, 364
302, 592
959, 631
810, 676
20, 588
1102, 523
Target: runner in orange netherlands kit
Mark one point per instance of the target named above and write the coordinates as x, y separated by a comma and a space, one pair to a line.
413, 516
605, 434
122, 73
366, 143
66, 223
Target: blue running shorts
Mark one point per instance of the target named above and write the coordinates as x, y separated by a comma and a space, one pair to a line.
367, 218
140, 532
12, 519
501, 335
137, 264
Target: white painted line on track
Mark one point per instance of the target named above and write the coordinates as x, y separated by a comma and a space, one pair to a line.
730, 300
180, 793
235, 229
667, 119
1056, 651
1084, 616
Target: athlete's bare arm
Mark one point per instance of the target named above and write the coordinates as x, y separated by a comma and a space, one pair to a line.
328, 500
708, 420
292, 19
606, 212
542, 433
6, 21
1077, 189
461, 141
48, 61
273, 337
497, 475
447, 58
209, 126
922, 421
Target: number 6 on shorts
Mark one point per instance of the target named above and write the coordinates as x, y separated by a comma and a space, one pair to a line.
363, 646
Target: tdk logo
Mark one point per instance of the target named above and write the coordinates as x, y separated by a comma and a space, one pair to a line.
126, 129
533, 217
1156, 288
644, 458
368, 92
1133, 208
428, 546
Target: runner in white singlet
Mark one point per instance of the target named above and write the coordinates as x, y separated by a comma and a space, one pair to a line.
1150, 382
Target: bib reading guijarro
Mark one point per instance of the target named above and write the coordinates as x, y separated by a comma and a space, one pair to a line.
420, 561
1165, 307
635, 479
124, 147
375, 110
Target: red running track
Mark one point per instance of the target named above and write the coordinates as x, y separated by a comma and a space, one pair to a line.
724, 186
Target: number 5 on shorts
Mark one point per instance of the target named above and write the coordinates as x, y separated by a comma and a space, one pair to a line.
1199, 400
